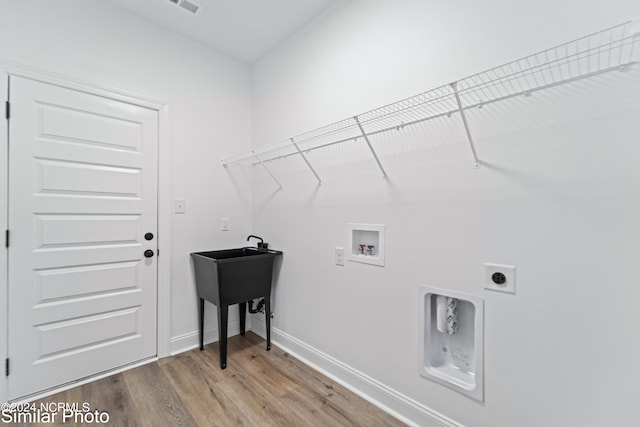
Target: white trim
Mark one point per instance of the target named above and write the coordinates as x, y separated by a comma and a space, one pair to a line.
163, 331
69, 82
191, 340
4, 167
164, 234
384, 397
73, 384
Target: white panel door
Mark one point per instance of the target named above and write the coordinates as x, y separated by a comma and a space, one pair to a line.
82, 196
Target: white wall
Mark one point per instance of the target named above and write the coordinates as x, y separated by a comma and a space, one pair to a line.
557, 197
209, 99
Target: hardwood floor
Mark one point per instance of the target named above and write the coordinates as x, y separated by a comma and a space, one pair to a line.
258, 388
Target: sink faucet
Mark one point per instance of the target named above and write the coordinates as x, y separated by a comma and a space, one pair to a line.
255, 237
261, 243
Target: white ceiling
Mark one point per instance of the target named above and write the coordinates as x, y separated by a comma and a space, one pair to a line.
243, 29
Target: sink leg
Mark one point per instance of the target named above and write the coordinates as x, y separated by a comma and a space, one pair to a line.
223, 318
267, 318
201, 323
243, 317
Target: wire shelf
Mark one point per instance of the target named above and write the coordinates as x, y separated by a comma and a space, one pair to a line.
591, 55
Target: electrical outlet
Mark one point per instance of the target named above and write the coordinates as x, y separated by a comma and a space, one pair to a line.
179, 206
224, 224
339, 255
500, 278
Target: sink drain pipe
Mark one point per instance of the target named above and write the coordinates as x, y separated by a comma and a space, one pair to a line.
259, 308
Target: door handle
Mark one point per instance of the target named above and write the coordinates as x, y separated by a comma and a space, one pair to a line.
148, 253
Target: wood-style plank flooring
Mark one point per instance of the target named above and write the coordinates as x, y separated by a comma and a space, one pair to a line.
258, 388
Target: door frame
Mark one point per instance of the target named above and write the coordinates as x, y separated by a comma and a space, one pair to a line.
163, 328
4, 204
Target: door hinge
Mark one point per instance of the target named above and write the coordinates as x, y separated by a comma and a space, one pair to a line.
7, 110
6, 367
6, 238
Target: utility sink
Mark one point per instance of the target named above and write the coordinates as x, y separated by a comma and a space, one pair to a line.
233, 276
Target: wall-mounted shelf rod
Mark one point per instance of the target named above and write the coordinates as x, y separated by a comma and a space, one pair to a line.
306, 161
602, 52
448, 113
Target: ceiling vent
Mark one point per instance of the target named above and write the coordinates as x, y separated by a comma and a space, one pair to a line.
186, 5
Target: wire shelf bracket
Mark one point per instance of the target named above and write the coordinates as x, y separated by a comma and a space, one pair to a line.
611, 49
267, 169
454, 86
366, 138
306, 161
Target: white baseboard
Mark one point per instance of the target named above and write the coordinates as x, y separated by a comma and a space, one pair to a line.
389, 400
191, 340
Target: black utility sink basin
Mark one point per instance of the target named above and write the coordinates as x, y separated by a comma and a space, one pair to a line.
233, 276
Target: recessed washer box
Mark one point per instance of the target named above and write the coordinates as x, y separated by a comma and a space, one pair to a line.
451, 340
366, 243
